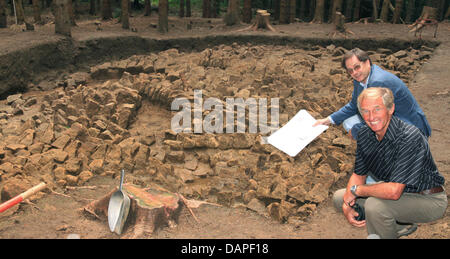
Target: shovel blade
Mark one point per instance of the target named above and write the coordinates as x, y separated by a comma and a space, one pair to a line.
114, 208
119, 205
125, 208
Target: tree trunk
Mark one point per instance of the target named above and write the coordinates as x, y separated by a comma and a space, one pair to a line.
181, 10
232, 15
163, 16
284, 11
247, 11
92, 10
11, 6
62, 20
303, 10
37, 12
71, 12
98, 6
374, 10
215, 8
433, 3
439, 5
188, 8
335, 7
106, 10
397, 11
356, 13
441, 10
75, 8
312, 8
428, 13
410, 11
348, 10
276, 10
384, 15
125, 15
447, 14
206, 6
319, 11
3, 17
148, 8
19, 11
293, 10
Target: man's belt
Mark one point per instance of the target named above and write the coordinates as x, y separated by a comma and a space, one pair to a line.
432, 190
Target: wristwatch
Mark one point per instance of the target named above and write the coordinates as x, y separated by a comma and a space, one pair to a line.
353, 189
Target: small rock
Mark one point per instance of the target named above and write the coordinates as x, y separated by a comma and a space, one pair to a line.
12, 98
84, 177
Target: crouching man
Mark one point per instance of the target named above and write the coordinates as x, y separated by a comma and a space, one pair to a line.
396, 154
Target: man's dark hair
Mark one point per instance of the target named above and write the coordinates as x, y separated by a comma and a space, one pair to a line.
360, 54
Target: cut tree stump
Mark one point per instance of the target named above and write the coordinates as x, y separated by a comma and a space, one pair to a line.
261, 22
339, 23
150, 209
62, 21
427, 18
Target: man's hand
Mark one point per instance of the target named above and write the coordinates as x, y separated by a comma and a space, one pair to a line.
349, 213
324, 121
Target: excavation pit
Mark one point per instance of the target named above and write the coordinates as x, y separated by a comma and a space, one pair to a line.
117, 114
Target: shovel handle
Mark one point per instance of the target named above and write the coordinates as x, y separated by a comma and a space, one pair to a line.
122, 176
8, 204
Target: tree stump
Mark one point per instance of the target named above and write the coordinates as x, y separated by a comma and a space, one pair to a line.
339, 23
62, 19
428, 17
261, 22
150, 209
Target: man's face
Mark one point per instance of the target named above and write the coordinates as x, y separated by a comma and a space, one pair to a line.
357, 70
376, 115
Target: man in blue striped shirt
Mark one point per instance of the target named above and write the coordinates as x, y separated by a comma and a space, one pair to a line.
396, 154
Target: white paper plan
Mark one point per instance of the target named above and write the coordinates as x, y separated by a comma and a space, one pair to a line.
296, 134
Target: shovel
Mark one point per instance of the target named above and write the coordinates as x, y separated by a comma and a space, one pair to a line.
119, 205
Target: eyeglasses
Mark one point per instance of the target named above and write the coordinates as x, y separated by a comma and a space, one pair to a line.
355, 68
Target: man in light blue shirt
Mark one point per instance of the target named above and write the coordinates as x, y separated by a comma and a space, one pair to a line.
365, 74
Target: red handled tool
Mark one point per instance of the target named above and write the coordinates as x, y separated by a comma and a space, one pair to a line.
25, 195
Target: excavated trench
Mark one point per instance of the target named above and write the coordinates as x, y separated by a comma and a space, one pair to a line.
70, 117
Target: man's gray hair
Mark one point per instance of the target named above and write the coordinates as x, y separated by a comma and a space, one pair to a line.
384, 93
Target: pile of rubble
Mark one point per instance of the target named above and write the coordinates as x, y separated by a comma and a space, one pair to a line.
67, 135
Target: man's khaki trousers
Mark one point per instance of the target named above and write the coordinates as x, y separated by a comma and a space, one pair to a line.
382, 215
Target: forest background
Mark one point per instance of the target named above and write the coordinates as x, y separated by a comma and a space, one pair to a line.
232, 11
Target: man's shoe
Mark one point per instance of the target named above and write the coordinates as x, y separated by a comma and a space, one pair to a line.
407, 229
